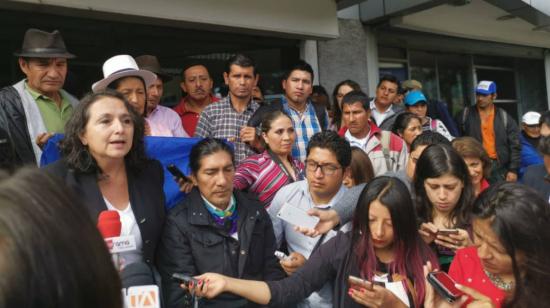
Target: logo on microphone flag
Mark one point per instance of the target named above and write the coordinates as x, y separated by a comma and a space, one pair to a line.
143, 297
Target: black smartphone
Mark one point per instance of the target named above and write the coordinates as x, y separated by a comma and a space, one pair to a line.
185, 279
444, 285
175, 171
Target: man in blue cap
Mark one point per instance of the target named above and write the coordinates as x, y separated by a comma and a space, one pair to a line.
417, 103
496, 130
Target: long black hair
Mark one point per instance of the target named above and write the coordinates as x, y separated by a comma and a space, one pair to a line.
77, 154
51, 253
520, 218
438, 160
411, 252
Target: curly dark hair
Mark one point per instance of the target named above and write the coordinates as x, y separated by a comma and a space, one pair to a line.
77, 154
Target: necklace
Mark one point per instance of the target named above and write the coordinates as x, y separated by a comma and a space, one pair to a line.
498, 282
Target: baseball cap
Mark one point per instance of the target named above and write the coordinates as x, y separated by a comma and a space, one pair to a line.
486, 87
531, 118
411, 84
415, 97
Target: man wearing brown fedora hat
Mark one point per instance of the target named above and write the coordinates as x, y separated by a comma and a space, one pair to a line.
37, 107
160, 116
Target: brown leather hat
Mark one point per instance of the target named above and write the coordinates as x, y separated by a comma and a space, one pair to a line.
42, 44
151, 63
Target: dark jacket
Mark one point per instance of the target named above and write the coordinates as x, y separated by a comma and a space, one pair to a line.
507, 142
535, 177
193, 244
146, 198
334, 261
387, 124
14, 123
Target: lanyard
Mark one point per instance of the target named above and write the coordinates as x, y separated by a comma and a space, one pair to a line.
276, 159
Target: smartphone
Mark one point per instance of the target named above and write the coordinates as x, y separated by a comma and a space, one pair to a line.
297, 216
447, 231
185, 279
280, 255
176, 172
358, 283
444, 285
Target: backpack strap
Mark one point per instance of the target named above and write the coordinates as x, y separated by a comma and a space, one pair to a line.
385, 142
504, 117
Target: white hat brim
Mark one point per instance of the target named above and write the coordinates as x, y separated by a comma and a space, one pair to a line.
147, 76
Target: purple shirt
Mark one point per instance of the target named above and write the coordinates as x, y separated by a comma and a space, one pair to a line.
166, 123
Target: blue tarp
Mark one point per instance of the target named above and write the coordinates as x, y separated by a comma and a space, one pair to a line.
167, 150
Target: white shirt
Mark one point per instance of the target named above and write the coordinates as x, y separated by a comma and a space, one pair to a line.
378, 116
129, 227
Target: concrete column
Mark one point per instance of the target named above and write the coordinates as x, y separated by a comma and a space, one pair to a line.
547, 73
344, 57
373, 75
308, 53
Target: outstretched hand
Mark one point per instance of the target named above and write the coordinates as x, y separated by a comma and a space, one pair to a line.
328, 220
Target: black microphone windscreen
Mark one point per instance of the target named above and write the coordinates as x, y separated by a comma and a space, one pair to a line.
136, 274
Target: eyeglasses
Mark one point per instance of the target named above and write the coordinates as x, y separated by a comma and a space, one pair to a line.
326, 169
533, 125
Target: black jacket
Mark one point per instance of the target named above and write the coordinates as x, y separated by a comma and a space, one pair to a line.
507, 141
193, 244
535, 178
146, 199
14, 123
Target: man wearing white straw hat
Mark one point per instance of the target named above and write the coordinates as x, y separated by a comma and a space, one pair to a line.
35, 108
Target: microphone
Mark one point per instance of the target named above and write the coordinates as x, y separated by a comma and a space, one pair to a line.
109, 226
139, 286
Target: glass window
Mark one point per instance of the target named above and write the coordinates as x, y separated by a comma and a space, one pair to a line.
454, 81
423, 69
532, 85
397, 69
391, 53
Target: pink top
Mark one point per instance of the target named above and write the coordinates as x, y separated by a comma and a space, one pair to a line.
466, 269
261, 175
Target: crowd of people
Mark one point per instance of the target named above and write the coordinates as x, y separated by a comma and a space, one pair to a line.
397, 187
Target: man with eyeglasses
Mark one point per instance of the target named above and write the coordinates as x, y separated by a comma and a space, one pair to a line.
529, 137
327, 163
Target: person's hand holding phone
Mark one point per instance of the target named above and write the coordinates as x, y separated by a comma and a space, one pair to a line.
211, 285
428, 232
375, 296
294, 261
432, 298
453, 240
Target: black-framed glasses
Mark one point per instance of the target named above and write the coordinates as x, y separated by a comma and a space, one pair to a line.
533, 125
326, 169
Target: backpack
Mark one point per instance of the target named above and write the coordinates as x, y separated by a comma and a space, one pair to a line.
277, 104
438, 110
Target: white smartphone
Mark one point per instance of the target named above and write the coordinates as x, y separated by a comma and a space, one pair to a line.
297, 216
280, 255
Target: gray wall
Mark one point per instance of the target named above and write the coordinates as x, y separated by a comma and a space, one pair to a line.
344, 57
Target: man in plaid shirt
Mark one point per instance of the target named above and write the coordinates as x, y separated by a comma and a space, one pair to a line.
227, 119
298, 85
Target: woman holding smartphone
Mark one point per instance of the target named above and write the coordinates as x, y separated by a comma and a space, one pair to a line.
383, 247
444, 197
509, 266
265, 173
